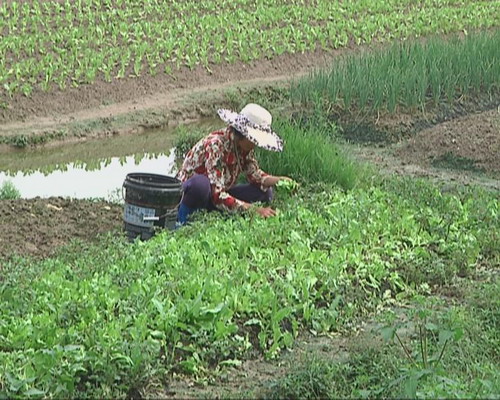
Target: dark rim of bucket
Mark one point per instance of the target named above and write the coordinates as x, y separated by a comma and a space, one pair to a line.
152, 180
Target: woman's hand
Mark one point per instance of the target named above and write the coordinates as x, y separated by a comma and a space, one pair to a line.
266, 212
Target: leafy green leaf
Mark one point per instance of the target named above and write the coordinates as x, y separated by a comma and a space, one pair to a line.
388, 332
233, 362
445, 335
33, 392
215, 310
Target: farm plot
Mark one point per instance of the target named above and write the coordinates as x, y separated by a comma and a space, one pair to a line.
65, 44
113, 319
110, 319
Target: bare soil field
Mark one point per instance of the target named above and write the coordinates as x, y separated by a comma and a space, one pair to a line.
471, 142
38, 227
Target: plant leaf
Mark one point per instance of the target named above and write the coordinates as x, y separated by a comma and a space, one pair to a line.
445, 335
388, 332
458, 334
410, 387
33, 392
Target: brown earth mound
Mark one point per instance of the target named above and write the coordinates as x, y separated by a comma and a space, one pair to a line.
471, 142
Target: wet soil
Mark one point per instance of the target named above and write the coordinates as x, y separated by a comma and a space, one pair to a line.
38, 227
463, 151
466, 143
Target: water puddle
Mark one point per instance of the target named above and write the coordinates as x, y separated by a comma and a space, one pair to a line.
93, 169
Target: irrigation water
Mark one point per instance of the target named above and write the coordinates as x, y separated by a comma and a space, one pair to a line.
77, 182
89, 169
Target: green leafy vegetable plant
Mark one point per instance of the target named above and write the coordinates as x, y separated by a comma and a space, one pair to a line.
288, 186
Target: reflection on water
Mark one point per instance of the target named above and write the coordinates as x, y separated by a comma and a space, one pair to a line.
75, 181
93, 168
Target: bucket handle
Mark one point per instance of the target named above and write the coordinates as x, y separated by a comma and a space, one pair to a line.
157, 218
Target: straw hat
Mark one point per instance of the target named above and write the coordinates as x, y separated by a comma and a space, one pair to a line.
254, 122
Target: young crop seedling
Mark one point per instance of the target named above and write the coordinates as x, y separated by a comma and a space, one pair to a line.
288, 186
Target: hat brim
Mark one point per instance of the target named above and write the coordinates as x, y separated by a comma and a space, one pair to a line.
262, 136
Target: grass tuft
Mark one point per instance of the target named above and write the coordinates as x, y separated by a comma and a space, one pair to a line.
311, 155
8, 191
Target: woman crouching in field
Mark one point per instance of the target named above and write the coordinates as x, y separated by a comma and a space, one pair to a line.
211, 168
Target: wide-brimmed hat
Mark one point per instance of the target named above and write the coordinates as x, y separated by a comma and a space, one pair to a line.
253, 122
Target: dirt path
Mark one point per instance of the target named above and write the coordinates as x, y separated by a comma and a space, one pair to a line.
174, 102
148, 100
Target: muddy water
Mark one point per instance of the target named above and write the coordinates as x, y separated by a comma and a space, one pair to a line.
92, 169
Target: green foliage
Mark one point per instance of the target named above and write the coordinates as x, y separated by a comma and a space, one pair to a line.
104, 321
22, 141
310, 155
442, 215
433, 352
367, 373
450, 354
289, 186
432, 341
49, 44
408, 74
186, 138
8, 191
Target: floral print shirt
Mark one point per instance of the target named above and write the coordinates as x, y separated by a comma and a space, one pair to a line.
218, 157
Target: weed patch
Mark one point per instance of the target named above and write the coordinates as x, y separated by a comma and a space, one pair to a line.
312, 380
311, 155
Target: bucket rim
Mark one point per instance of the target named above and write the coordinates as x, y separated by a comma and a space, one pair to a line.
162, 181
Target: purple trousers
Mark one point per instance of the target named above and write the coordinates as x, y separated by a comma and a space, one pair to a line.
197, 193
